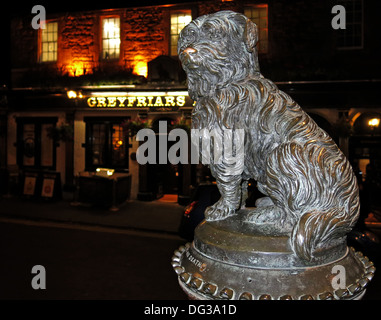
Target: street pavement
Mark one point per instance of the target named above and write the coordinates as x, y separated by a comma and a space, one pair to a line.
157, 216
94, 253
88, 252
86, 263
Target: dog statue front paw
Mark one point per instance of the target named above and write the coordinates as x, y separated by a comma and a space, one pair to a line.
219, 211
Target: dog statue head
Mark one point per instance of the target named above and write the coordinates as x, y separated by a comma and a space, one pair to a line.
216, 50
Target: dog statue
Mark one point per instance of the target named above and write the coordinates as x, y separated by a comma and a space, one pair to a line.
310, 188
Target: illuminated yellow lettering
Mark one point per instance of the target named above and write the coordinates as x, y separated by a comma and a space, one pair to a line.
101, 102
159, 102
180, 101
92, 102
170, 101
121, 101
131, 101
141, 102
111, 102
150, 104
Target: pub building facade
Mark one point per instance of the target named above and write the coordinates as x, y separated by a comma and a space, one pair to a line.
82, 83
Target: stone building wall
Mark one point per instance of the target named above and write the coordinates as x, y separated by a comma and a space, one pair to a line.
302, 42
78, 44
144, 35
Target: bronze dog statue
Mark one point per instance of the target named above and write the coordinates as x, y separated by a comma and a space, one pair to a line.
311, 190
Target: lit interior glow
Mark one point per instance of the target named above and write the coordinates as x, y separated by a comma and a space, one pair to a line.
184, 19
104, 171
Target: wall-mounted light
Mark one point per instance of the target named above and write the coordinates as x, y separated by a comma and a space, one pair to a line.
71, 94
374, 123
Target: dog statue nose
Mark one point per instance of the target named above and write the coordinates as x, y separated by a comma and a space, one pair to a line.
189, 50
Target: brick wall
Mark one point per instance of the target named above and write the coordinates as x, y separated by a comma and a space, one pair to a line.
144, 34
78, 44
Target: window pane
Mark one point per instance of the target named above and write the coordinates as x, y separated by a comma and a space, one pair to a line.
263, 12
107, 145
352, 36
49, 37
173, 50
262, 23
255, 14
98, 139
44, 36
111, 38
118, 146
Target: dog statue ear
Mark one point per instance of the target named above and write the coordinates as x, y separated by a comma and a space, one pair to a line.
250, 35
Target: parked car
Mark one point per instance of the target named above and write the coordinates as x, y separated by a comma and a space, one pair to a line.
204, 196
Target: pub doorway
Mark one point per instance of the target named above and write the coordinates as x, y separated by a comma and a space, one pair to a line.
36, 145
166, 175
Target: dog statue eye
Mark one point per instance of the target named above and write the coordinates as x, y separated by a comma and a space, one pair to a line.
213, 34
189, 35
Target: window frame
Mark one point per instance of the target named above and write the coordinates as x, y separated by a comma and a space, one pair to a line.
344, 3
102, 48
107, 144
41, 44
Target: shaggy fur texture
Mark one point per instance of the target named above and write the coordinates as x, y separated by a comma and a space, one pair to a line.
311, 190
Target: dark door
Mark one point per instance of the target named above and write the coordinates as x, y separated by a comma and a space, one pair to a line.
36, 145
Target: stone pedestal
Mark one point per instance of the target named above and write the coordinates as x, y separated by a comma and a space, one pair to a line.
229, 259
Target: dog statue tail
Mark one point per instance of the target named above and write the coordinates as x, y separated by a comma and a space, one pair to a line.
323, 198
316, 227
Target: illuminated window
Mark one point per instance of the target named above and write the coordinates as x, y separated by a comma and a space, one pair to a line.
106, 144
110, 38
352, 36
49, 37
178, 21
259, 15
